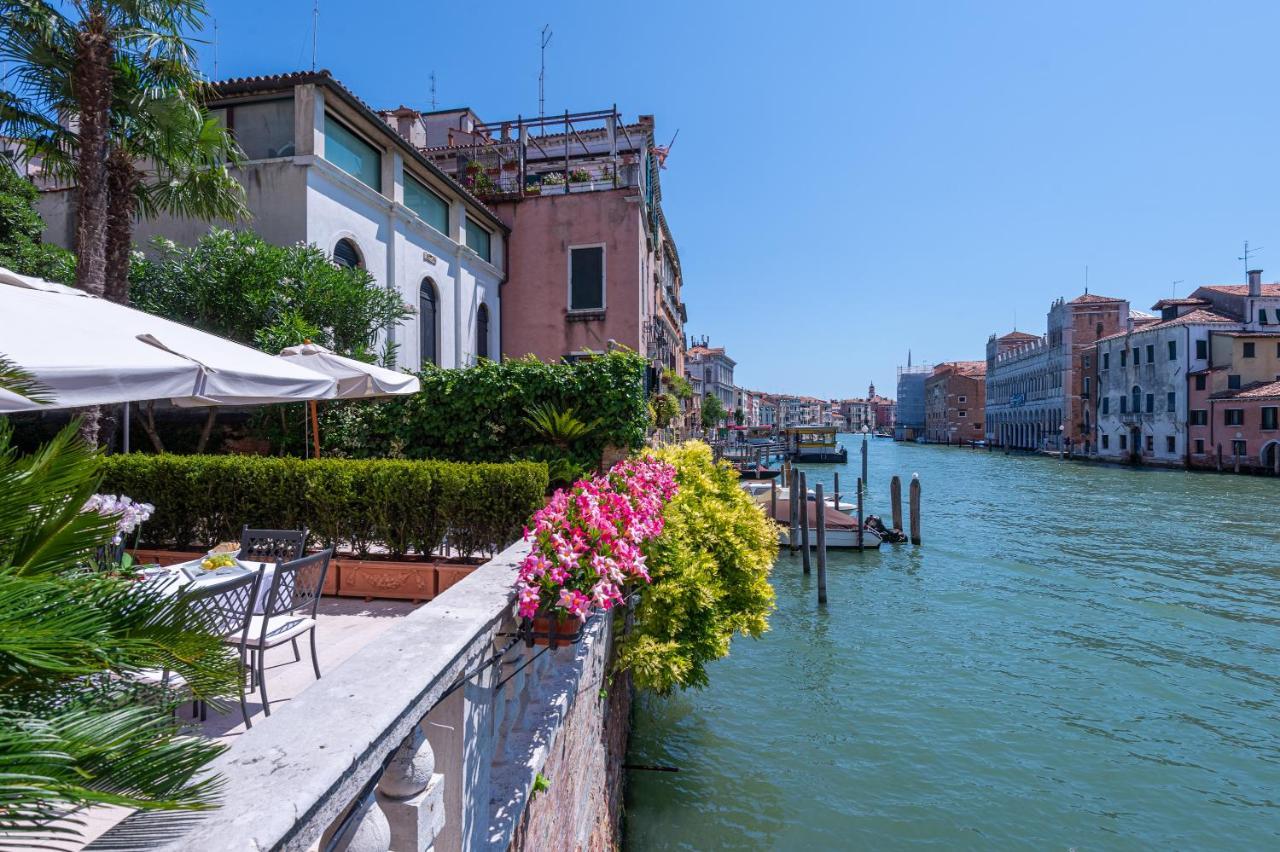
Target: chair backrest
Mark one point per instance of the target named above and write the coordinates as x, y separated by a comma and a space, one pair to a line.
297, 585
225, 608
271, 545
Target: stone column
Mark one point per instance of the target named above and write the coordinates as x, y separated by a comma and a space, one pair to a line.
411, 796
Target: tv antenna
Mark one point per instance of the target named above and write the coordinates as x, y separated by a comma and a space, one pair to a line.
1248, 252
433, 91
1086, 279
542, 71
315, 30
215, 48
1175, 286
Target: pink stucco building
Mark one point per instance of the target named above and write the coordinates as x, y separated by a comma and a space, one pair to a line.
590, 260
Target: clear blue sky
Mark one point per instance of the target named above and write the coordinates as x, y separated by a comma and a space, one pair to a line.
853, 179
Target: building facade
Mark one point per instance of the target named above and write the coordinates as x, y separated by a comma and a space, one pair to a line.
909, 420
591, 256
712, 370
1193, 383
1234, 417
1040, 389
954, 402
321, 168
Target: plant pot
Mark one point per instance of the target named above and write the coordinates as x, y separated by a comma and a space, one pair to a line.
368, 579
544, 629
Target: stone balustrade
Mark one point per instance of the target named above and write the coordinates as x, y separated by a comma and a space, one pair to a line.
430, 737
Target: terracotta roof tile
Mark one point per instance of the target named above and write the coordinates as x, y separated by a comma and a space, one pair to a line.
1257, 390
1092, 298
1242, 289
1200, 315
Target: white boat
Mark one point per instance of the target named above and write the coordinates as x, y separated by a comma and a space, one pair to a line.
841, 530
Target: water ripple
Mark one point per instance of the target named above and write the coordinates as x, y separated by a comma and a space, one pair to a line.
1079, 656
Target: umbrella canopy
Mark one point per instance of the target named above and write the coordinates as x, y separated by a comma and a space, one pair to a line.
89, 351
356, 379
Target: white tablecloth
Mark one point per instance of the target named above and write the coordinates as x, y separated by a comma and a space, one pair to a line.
196, 576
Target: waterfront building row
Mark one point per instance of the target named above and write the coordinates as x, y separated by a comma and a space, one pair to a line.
1196, 384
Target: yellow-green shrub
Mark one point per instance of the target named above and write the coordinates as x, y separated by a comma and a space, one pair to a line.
710, 570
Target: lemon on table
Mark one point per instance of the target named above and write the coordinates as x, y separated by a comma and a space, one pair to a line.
221, 560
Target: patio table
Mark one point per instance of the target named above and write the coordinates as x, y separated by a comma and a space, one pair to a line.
191, 574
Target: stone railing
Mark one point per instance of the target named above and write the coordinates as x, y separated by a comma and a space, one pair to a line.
430, 737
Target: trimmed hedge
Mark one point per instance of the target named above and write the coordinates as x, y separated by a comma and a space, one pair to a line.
391, 505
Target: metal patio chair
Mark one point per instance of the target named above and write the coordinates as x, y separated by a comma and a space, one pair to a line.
271, 545
290, 611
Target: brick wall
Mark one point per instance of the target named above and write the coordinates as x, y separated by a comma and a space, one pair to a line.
581, 808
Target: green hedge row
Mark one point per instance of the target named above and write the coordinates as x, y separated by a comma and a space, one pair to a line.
391, 505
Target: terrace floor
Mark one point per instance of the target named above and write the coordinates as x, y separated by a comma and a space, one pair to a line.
344, 626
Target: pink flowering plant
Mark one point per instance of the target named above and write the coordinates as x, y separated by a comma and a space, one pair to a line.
588, 541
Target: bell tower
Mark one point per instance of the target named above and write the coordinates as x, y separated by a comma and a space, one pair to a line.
871, 391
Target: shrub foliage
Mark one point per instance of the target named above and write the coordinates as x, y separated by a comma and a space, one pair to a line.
483, 413
402, 506
710, 570
237, 285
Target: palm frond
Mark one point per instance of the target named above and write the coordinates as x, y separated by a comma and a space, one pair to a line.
17, 380
130, 756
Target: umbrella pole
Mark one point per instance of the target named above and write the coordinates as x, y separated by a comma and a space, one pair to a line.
315, 429
126, 427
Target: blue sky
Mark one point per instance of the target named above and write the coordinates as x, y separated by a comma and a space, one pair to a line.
855, 179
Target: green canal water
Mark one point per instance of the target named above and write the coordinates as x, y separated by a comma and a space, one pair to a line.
1079, 657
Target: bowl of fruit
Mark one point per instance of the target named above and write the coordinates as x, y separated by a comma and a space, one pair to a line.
218, 560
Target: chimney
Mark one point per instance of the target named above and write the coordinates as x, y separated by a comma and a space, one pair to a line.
1255, 282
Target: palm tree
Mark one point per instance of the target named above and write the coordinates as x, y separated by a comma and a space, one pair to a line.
69, 736
65, 66
167, 156
151, 114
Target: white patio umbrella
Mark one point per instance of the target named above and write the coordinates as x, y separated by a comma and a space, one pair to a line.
356, 379
89, 351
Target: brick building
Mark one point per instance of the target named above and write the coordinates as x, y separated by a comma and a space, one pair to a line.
954, 398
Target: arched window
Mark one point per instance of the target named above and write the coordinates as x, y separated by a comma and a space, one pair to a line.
428, 318
482, 331
1135, 402
346, 254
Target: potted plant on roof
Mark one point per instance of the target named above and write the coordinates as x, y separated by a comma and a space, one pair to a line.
588, 548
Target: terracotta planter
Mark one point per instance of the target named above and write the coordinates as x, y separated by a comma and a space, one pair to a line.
369, 578
449, 573
547, 630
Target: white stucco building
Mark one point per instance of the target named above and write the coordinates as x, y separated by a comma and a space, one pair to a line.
1148, 373
322, 168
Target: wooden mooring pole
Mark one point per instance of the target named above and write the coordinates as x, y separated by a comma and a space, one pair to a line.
836, 487
915, 508
773, 499
794, 542
864, 456
804, 521
859, 514
895, 501
819, 507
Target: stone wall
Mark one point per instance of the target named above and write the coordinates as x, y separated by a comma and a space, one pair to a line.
581, 807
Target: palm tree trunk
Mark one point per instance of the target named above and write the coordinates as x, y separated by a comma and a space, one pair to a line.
122, 182
91, 89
